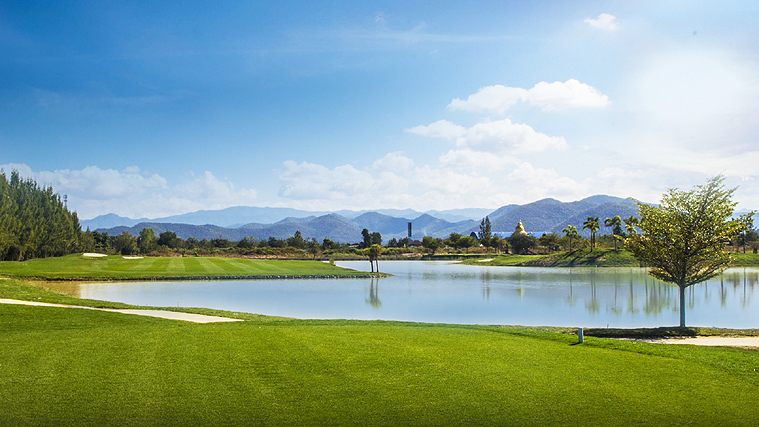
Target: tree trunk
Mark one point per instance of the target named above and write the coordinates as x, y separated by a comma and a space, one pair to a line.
682, 306
371, 263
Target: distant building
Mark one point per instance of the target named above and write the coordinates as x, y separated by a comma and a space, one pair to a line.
520, 228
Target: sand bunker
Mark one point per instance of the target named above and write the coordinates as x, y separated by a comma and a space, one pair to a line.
132, 257
91, 255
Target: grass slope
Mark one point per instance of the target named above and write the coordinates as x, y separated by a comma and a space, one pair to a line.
78, 267
603, 257
79, 367
577, 258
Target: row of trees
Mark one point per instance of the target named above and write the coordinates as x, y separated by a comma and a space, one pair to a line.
34, 221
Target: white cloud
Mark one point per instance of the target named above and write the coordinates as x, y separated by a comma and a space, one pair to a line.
394, 162
541, 183
570, 94
312, 181
548, 96
134, 193
93, 182
604, 22
505, 137
475, 160
439, 129
496, 98
214, 192
502, 137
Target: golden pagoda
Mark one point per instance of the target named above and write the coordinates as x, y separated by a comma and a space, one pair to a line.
520, 228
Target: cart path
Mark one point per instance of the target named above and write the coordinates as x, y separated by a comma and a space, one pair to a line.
173, 315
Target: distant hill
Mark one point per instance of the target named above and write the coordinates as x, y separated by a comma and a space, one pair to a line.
240, 215
551, 215
542, 216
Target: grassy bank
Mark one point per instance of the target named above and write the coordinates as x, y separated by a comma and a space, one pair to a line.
603, 257
78, 267
79, 367
577, 258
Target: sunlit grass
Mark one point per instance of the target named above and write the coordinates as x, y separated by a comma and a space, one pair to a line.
116, 267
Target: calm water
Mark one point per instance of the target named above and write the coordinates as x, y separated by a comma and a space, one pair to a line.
454, 293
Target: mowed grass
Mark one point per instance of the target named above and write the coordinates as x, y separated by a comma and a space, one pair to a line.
78, 367
78, 267
600, 257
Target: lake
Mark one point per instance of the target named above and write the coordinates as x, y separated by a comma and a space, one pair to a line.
448, 292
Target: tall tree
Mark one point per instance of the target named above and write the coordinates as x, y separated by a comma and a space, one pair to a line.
485, 234
571, 233
34, 222
146, 241
591, 224
682, 240
374, 252
616, 228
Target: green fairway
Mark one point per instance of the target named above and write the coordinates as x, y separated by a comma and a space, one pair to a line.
78, 267
79, 367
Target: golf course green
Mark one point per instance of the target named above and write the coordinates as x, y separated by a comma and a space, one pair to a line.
79, 367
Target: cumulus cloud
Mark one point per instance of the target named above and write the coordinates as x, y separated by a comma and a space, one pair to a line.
548, 96
474, 160
542, 183
213, 191
135, 193
439, 129
311, 181
605, 21
394, 162
501, 136
93, 182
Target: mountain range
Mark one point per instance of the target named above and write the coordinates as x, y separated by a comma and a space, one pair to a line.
542, 216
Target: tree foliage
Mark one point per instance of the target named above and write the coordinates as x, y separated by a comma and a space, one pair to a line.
571, 232
682, 239
34, 222
592, 225
522, 243
616, 228
485, 235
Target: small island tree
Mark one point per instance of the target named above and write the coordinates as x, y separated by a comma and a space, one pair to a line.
682, 239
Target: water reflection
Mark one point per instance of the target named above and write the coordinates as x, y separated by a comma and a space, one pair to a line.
373, 299
455, 293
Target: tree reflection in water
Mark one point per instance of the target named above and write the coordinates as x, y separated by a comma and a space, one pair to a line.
373, 299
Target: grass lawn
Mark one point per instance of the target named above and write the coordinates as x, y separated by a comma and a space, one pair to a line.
600, 257
78, 267
66, 366
79, 367
603, 257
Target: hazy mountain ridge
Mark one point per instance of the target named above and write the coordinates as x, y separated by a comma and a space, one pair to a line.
546, 215
240, 216
552, 216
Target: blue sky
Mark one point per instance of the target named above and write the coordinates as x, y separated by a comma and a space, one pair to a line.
149, 109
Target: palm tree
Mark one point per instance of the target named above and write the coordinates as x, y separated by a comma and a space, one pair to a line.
591, 224
616, 227
630, 223
374, 253
570, 231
